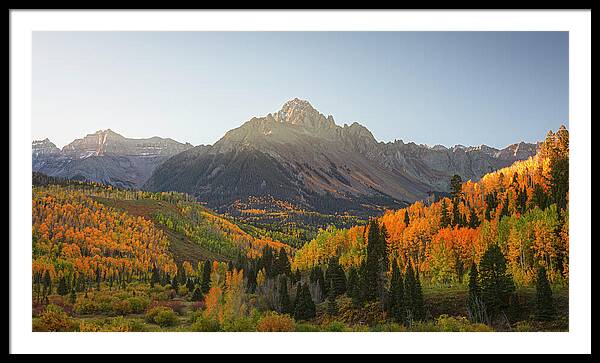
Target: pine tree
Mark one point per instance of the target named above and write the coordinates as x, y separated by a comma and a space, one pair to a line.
155, 279
475, 308
175, 283
332, 308
397, 310
251, 280
197, 295
371, 279
181, 275
47, 283
283, 263
335, 277
305, 308
406, 218
445, 219
267, 261
62, 286
284, 297
206, 276
419, 304
505, 211
544, 302
455, 186
473, 219
409, 293
353, 288
189, 284
496, 283
73, 296
316, 276
456, 221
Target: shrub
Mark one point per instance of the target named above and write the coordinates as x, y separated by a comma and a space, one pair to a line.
203, 324
240, 324
274, 322
53, 319
118, 324
86, 306
89, 326
307, 327
524, 326
162, 316
447, 323
336, 326
175, 305
120, 307
182, 290
137, 305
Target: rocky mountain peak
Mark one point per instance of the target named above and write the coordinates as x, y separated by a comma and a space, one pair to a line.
302, 113
43, 147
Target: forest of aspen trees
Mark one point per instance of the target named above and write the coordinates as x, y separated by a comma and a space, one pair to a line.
493, 256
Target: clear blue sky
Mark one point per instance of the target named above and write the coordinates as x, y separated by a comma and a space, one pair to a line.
446, 88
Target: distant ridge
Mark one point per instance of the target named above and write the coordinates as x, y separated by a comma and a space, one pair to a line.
301, 156
106, 157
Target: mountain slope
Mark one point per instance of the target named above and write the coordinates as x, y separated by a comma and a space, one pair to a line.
300, 156
105, 157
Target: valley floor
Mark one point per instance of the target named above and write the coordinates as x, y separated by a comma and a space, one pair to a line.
138, 307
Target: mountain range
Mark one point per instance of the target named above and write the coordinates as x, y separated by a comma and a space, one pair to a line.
304, 158
105, 157
296, 156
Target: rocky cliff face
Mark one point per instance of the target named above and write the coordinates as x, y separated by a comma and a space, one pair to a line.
301, 156
105, 157
43, 147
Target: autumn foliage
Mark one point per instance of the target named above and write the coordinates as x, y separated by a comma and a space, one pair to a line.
522, 208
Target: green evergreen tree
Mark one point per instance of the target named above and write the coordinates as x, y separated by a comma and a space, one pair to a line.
496, 283
397, 310
456, 217
473, 219
251, 280
445, 218
371, 278
456, 186
335, 277
73, 296
369, 272
284, 297
283, 263
410, 294
62, 288
206, 276
175, 283
419, 304
317, 277
305, 308
539, 197
267, 260
155, 279
189, 284
182, 275
544, 301
505, 211
332, 308
197, 294
406, 218
353, 288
